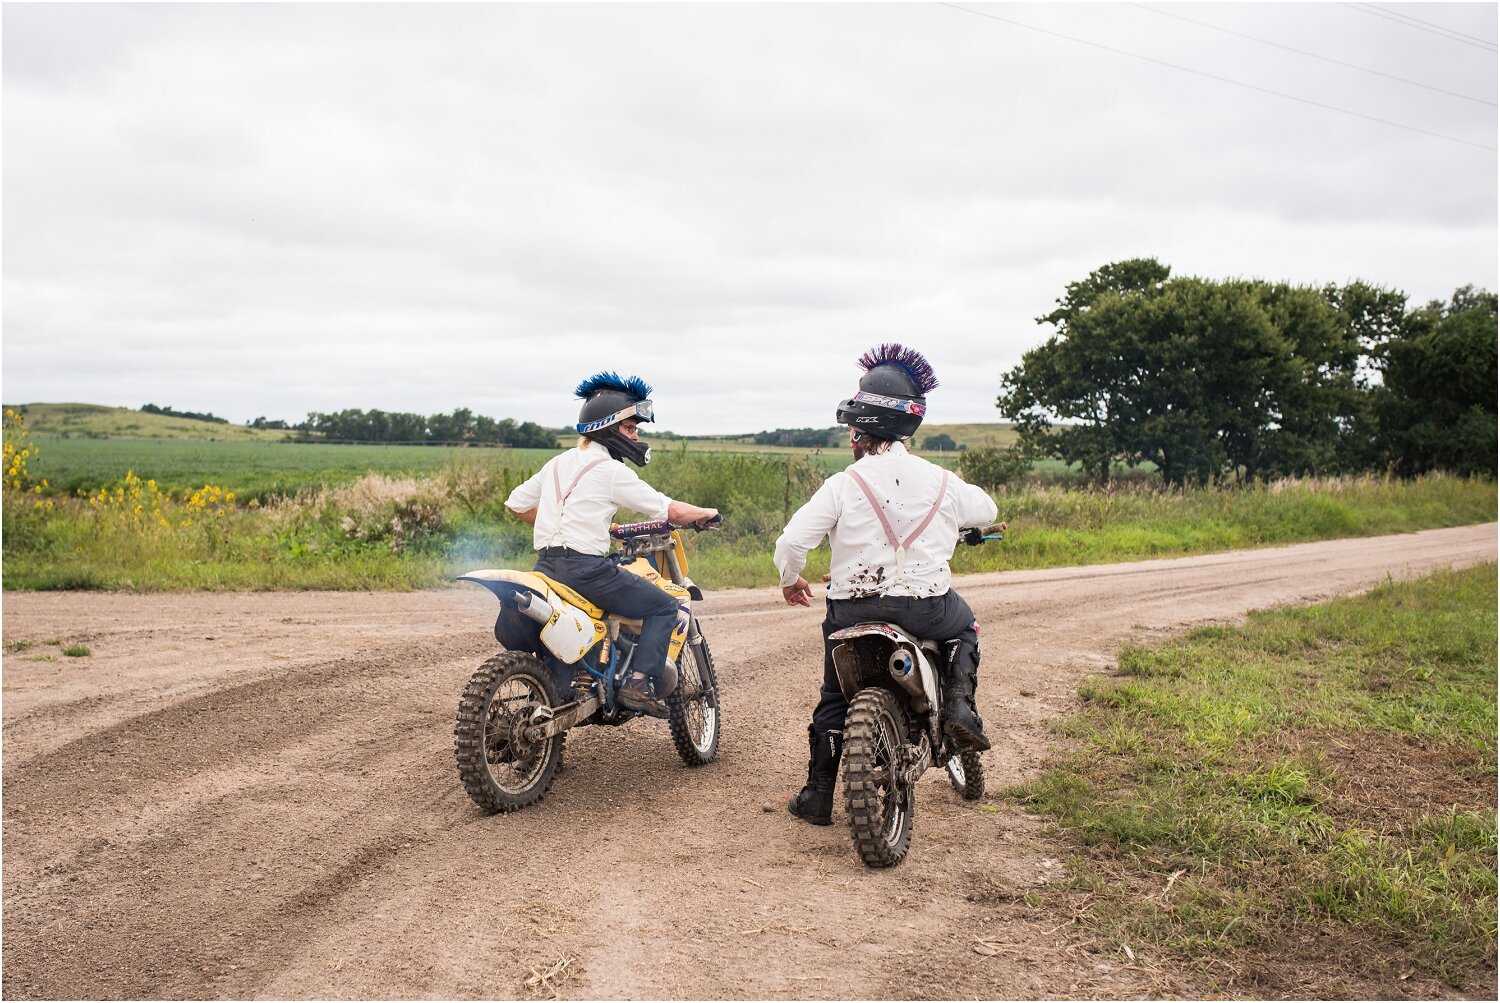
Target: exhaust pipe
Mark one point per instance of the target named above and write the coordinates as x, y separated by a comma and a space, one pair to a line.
903, 668
534, 607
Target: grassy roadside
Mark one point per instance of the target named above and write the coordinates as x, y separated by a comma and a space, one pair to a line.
381, 532
1302, 807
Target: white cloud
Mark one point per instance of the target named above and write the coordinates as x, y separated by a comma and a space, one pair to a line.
271, 209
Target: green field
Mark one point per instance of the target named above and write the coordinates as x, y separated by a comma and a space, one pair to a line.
252, 469
155, 514
1307, 801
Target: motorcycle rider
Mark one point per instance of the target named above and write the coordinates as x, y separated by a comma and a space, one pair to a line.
571, 502
874, 575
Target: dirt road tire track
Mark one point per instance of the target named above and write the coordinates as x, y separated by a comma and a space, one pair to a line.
254, 796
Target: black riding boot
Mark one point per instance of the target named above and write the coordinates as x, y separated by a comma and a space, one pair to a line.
960, 717
814, 803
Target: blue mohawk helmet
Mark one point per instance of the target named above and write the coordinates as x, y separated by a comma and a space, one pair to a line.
892, 397
605, 380
608, 399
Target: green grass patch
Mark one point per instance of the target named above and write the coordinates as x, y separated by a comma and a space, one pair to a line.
1321, 779
77, 651
253, 469
112, 514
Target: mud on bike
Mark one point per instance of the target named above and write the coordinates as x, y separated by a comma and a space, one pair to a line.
893, 731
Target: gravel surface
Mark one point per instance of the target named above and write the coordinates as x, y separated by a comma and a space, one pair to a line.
253, 795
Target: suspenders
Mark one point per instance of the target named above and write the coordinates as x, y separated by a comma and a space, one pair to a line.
562, 496
890, 534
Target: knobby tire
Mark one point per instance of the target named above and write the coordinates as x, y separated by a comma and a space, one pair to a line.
502, 693
696, 722
967, 775
879, 803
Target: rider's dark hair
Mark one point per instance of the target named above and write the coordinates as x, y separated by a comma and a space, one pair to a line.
871, 444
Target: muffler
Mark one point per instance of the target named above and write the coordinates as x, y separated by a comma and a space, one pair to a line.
903, 667
534, 607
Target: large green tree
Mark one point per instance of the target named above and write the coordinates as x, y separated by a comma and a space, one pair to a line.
1438, 405
1206, 380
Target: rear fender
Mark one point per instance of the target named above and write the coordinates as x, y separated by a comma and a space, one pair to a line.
864, 656
505, 584
566, 637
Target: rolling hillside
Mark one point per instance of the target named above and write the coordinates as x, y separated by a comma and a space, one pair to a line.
95, 421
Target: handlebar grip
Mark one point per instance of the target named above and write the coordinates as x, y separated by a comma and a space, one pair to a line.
634, 529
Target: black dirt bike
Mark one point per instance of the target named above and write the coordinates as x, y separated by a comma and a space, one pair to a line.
565, 662
893, 730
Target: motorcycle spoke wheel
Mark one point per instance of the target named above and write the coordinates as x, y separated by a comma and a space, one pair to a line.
966, 773
693, 709
877, 798
500, 768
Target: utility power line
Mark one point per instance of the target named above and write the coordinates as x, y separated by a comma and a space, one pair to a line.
1223, 80
1407, 21
1313, 55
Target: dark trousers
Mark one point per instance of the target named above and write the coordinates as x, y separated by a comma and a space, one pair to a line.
929, 618
602, 583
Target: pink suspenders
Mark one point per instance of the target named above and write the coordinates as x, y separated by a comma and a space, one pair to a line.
562, 496
890, 534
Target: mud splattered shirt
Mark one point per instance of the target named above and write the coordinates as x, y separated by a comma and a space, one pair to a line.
864, 562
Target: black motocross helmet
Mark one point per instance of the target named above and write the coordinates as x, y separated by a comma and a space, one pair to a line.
891, 401
609, 399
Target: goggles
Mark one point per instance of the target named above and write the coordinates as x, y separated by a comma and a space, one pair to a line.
894, 403
640, 409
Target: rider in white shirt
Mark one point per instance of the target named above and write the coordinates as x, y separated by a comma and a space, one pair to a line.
570, 503
892, 520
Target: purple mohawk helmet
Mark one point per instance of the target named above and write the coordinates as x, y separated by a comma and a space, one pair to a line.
910, 361
892, 397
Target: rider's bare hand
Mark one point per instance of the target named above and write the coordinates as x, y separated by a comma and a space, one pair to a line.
799, 593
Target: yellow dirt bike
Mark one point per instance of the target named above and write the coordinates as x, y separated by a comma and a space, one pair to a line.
564, 666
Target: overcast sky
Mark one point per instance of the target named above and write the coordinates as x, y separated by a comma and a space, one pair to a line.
275, 209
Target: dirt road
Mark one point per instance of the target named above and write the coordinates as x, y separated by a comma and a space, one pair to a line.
254, 796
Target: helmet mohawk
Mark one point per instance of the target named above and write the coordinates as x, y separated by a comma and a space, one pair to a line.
910, 361
607, 380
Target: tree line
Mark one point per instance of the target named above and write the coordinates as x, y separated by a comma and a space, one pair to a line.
171, 412
1211, 381
460, 426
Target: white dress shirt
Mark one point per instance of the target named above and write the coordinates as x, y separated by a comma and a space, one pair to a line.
581, 522
864, 562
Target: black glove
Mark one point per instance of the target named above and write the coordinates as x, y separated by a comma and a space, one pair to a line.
973, 536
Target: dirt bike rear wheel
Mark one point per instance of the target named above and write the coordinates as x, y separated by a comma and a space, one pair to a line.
879, 801
966, 773
501, 770
693, 709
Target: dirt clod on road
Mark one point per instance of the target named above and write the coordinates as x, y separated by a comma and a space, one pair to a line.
254, 796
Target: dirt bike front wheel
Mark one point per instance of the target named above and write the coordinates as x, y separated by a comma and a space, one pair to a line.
877, 797
693, 709
966, 773
501, 769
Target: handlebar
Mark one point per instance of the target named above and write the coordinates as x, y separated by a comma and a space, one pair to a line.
660, 527
974, 537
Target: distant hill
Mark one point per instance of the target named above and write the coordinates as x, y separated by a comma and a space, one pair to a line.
94, 421
971, 436
974, 436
